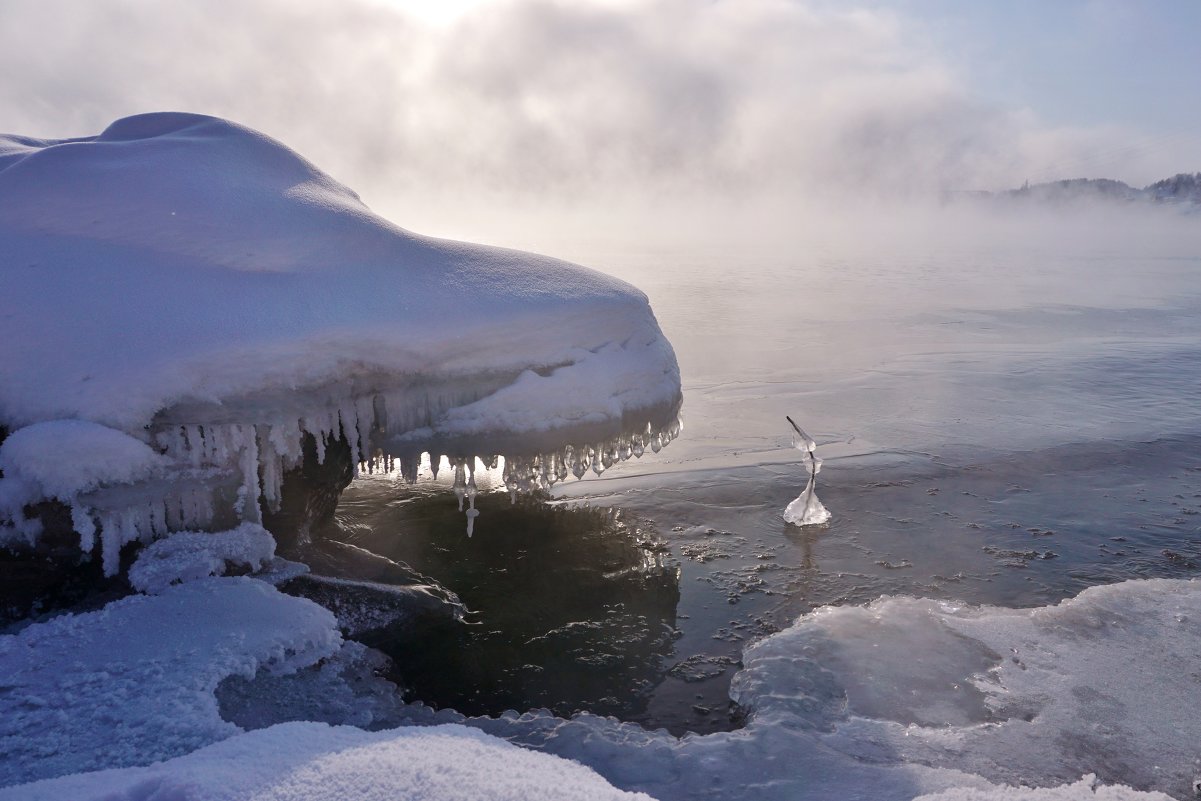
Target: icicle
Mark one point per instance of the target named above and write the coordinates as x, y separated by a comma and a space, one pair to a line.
460, 485
637, 448
319, 438
82, 522
158, 518
472, 514
172, 512
379, 408
470, 490
435, 464
350, 430
194, 447
248, 494
110, 545
608, 456
410, 466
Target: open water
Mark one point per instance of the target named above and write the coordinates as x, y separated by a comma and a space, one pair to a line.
1004, 428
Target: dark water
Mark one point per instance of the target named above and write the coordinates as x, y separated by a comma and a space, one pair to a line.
1002, 430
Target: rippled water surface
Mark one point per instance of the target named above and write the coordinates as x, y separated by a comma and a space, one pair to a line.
1005, 429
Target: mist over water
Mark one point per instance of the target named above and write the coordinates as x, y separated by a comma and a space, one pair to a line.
1006, 404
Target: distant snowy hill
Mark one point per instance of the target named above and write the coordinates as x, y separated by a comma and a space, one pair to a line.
1182, 190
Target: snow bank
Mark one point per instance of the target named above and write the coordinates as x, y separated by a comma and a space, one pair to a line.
133, 682
190, 555
185, 279
314, 762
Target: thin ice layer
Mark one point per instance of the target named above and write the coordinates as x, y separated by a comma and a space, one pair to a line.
133, 683
182, 260
315, 762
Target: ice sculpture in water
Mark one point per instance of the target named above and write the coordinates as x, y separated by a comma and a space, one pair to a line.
201, 298
806, 509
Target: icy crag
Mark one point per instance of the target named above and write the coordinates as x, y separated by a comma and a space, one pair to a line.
204, 298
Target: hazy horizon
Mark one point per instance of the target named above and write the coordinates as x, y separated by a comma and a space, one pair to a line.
533, 100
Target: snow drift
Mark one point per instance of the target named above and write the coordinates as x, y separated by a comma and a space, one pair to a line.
201, 288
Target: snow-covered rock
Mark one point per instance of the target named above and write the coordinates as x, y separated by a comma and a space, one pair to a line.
202, 290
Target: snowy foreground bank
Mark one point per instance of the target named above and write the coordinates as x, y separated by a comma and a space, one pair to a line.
901, 699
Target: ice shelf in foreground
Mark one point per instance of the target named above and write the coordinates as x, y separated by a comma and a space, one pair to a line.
892, 701
199, 287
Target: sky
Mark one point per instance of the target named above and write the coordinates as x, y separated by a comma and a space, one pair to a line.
426, 108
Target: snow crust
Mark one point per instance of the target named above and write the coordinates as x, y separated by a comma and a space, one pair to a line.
189, 555
133, 683
314, 762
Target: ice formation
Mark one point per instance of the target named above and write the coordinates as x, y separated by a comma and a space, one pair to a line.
133, 683
903, 698
907, 696
806, 509
198, 288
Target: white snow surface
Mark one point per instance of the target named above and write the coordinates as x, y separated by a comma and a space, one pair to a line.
65, 458
189, 555
177, 261
133, 683
316, 762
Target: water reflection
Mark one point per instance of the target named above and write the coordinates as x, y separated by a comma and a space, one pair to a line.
567, 608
